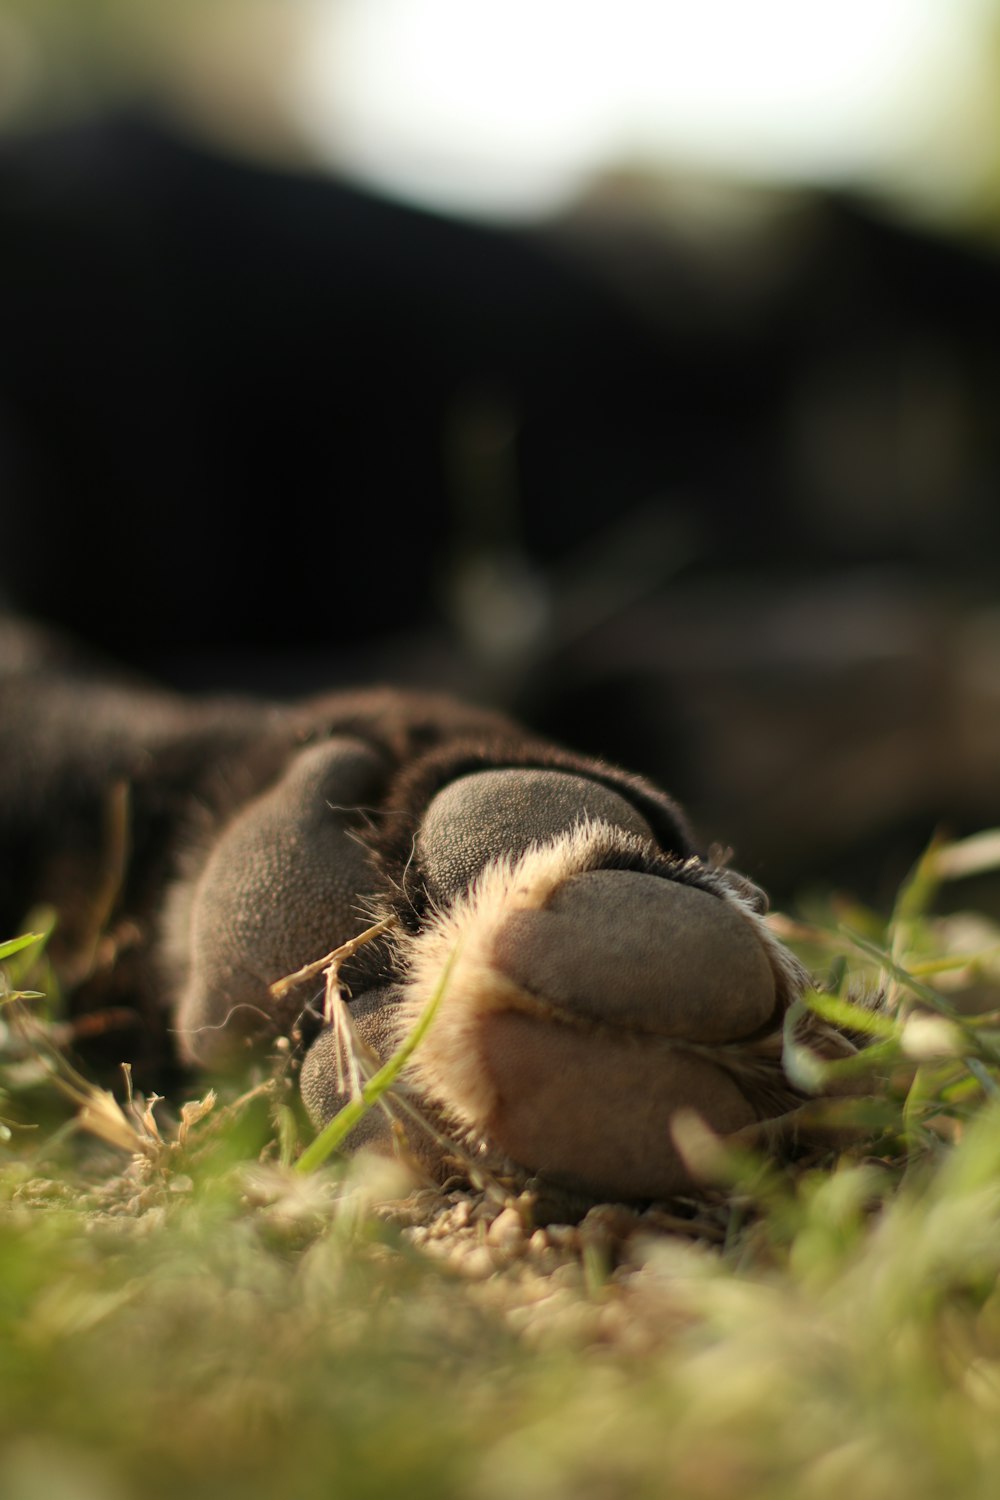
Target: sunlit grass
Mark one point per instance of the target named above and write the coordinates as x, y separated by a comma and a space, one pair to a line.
181, 1314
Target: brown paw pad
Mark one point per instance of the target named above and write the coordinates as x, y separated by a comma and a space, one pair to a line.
586, 1006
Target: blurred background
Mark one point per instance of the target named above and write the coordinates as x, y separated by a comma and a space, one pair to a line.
634, 367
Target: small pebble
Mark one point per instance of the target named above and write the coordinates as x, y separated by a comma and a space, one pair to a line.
569, 1274
563, 1236
506, 1230
477, 1263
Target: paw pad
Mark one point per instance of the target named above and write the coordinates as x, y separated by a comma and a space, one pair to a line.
588, 1003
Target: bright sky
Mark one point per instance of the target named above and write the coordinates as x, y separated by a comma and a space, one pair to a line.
508, 108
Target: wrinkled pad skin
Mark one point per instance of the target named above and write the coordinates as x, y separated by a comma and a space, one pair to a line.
606, 977
279, 889
629, 962
492, 814
596, 1112
620, 948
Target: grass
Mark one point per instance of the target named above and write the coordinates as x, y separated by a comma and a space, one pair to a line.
184, 1314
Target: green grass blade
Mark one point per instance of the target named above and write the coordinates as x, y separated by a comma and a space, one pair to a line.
909, 981
917, 892
805, 1070
848, 1014
14, 945
955, 962
983, 1077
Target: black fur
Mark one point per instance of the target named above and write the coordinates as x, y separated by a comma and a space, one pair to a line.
75, 730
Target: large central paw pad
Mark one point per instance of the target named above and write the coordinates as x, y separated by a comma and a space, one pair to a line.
587, 1005
597, 985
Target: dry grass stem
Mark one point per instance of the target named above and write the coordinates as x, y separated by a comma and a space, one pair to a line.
331, 961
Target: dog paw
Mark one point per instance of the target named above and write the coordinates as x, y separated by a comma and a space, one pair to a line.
598, 984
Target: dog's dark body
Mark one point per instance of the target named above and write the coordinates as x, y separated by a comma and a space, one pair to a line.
735, 528
215, 846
